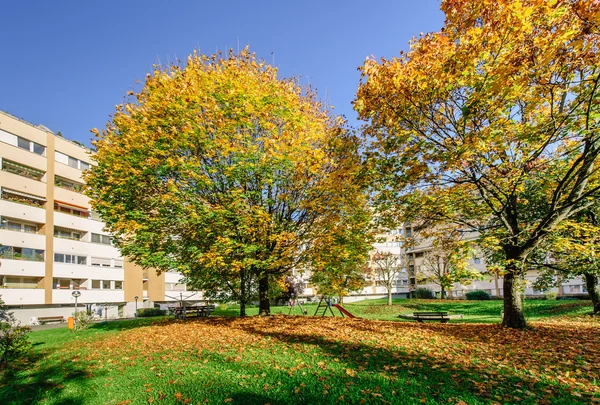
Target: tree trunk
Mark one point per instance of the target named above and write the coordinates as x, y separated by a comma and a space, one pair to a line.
264, 308
591, 284
243, 293
513, 304
389, 291
443, 293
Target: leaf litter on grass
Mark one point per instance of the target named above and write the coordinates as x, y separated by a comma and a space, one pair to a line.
555, 361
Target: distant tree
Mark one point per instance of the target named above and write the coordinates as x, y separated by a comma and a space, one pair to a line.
387, 266
224, 172
447, 260
474, 113
573, 250
292, 288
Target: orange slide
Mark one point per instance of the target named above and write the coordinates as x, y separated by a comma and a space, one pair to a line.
343, 311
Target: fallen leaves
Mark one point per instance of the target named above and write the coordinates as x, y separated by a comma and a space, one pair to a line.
554, 359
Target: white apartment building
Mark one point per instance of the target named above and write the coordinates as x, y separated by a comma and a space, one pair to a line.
52, 243
412, 271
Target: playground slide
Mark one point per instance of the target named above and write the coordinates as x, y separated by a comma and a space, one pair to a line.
343, 311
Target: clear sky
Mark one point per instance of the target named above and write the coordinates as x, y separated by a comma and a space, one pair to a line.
66, 64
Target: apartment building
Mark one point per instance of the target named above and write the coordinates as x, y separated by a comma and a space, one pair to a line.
51, 242
412, 272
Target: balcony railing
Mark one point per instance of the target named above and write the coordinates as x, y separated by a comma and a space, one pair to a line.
23, 198
16, 253
21, 170
69, 185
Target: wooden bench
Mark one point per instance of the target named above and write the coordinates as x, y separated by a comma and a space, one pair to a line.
427, 316
43, 319
193, 312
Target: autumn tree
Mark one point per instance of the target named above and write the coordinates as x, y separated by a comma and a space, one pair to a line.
386, 267
572, 250
446, 261
339, 263
224, 172
473, 113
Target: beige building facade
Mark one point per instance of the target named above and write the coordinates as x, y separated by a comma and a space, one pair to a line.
52, 243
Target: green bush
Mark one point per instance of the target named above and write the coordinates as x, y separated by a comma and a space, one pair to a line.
147, 312
477, 295
13, 336
424, 293
551, 295
82, 320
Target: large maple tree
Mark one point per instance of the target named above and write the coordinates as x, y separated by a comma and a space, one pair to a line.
472, 115
224, 172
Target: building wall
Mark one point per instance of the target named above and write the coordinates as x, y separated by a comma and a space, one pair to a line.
45, 172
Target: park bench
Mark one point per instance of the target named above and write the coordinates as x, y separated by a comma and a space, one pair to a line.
44, 319
193, 312
427, 316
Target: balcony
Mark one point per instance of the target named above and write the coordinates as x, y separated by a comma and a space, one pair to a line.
18, 253
22, 170
22, 268
23, 296
63, 296
17, 210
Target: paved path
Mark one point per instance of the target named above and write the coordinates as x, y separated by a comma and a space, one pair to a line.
56, 325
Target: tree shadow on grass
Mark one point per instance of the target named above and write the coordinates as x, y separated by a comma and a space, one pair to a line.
439, 384
38, 377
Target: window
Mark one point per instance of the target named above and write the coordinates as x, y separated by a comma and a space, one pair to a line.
118, 263
99, 261
23, 143
408, 232
118, 285
477, 260
419, 254
105, 285
96, 284
30, 146
39, 149
62, 283
84, 166
98, 238
20, 282
73, 162
30, 228
70, 259
66, 233
72, 210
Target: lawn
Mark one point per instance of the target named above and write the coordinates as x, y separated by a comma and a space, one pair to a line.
472, 311
311, 360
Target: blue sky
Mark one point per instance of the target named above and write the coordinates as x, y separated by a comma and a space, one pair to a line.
67, 64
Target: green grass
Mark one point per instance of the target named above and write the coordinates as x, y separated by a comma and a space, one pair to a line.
472, 311
306, 360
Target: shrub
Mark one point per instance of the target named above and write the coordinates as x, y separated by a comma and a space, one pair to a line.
147, 312
424, 293
551, 295
82, 320
477, 295
13, 336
